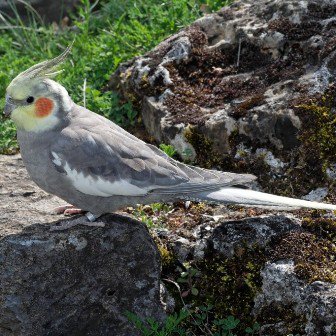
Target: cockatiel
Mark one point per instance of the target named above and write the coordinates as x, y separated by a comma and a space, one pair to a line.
95, 165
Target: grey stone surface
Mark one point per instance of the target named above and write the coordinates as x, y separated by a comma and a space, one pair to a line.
22, 202
49, 11
79, 281
239, 71
315, 302
317, 195
254, 231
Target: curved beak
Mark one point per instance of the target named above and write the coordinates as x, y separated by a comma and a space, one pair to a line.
9, 107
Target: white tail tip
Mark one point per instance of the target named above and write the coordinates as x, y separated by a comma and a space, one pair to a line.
256, 198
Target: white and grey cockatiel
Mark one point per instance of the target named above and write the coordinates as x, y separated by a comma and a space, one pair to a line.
97, 166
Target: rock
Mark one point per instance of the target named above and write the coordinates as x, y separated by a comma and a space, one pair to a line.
269, 159
331, 171
182, 248
49, 11
79, 281
224, 236
167, 301
239, 77
317, 195
229, 236
314, 304
22, 202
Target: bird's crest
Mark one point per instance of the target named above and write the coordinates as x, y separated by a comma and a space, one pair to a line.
45, 69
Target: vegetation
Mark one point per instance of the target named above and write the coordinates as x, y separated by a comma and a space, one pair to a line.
177, 324
152, 215
104, 33
168, 149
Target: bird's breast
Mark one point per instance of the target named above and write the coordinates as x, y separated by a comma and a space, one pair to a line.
35, 156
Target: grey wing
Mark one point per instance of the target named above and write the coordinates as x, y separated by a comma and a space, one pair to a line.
111, 164
108, 162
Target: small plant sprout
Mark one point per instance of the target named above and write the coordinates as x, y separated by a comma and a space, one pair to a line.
168, 149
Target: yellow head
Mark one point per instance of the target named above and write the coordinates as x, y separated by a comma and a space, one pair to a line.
34, 101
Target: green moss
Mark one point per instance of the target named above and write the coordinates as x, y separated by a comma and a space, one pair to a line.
323, 227
308, 162
317, 148
319, 132
206, 156
230, 285
168, 260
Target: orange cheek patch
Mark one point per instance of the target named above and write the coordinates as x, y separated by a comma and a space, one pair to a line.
43, 107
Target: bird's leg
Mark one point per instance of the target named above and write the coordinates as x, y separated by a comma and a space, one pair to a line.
88, 220
68, 210
91, 217
92, 220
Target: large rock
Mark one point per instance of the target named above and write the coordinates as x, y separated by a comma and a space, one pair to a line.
49, 11
312, 304
231, 86
79, 281
228, 237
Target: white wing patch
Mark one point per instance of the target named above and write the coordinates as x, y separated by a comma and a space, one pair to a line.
96, 186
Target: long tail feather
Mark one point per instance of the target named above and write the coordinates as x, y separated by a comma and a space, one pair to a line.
259, 199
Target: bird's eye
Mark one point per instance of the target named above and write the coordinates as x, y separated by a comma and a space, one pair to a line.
30, 99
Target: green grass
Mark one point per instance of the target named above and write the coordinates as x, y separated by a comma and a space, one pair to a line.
104, 36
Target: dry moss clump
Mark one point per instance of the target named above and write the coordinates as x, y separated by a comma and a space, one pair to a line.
314, 257
276, 315
323, 227
241, 110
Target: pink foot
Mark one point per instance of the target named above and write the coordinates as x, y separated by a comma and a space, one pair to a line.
68, 210
73, 211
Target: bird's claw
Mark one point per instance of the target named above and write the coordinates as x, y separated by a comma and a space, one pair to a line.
73, 211
67, 210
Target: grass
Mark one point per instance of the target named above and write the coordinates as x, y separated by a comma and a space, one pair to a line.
105, 34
